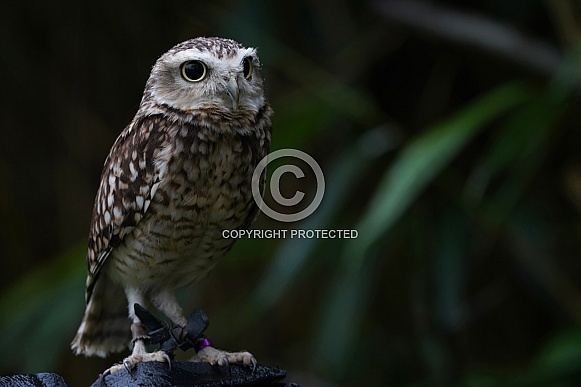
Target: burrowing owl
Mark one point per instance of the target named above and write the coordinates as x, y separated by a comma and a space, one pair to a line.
177, 176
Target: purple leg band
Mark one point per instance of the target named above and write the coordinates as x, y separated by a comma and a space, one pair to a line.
201, 344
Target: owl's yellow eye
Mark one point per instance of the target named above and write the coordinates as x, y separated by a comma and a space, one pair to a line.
247, 70
193, 71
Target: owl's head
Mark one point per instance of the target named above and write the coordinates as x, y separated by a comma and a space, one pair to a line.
208, 73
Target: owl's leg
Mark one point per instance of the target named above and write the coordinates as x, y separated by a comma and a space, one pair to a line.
139, 353
165, 301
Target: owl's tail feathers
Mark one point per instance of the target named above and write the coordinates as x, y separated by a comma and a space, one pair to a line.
106, 326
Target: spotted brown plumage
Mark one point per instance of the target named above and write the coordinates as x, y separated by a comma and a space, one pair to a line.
177, 176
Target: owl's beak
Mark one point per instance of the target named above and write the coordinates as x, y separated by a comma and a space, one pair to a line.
232, 90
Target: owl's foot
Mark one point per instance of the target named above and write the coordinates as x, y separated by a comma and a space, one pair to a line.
219, 357
131, 361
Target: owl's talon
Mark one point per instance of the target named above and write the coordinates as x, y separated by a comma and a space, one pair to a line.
127, 364
223, 361
167, 358
101, 380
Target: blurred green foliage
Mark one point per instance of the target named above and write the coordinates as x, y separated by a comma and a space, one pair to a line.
457, 162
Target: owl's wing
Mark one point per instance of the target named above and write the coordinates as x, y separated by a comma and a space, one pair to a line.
129, 181
260, 149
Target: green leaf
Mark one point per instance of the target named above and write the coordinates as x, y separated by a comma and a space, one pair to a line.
424, 158
416, 166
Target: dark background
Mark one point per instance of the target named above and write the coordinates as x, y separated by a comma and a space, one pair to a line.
448, 133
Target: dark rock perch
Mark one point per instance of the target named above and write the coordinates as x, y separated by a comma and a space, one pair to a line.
43, 379
181, 374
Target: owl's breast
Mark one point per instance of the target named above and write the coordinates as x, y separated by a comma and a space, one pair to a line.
209, 176
205, 188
